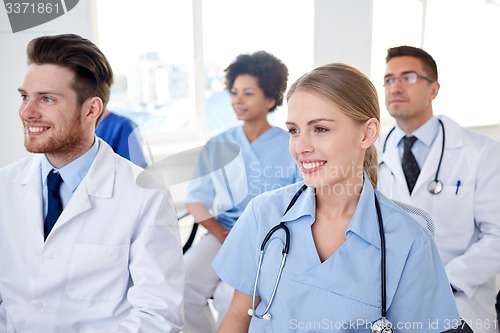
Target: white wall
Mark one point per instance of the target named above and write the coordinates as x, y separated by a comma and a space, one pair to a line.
13, 66
343, 33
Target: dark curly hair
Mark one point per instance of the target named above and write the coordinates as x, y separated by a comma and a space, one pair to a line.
271, 74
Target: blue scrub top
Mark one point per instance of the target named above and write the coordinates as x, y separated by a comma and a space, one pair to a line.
342, 293
122, 134
231, 171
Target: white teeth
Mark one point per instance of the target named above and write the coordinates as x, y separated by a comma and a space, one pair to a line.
312, 165
36, 129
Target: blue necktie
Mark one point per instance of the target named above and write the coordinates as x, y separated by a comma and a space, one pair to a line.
410, 165
54, 182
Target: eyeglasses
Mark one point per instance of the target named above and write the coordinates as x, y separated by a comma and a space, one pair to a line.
405, 79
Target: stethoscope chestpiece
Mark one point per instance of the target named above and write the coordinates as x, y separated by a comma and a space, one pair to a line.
383, 325
435, 187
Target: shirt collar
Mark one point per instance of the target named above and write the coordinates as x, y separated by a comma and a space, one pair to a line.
73, 173
305, 204
364, 222
425, 133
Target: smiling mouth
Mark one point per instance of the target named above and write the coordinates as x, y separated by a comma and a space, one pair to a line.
36, 130
312, 165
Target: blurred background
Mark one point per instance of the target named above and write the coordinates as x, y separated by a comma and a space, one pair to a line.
169, 57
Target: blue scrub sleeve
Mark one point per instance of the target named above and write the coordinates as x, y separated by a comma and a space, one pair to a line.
236, 262
122, 141
423, 302
132, 145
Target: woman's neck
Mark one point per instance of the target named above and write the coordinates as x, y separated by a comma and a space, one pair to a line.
340, 200
255, 129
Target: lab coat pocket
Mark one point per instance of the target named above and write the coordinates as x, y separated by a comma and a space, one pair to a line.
98, 272
454, 211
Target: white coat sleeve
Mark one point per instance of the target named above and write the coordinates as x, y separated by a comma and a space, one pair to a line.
156, 269
480, 263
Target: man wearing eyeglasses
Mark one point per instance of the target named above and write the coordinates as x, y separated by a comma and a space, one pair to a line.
432, 163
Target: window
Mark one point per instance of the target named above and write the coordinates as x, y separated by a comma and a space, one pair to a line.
281, 27
155, 53
463, 45
395, 22
150, 47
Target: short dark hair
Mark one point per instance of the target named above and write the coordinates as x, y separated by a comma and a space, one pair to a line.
93, 73
427, 61
271, 74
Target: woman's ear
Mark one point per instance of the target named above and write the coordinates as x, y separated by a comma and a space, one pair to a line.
271, 102
371, 130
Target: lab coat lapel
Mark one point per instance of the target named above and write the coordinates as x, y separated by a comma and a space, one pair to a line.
392, 161
99, 182
29, 178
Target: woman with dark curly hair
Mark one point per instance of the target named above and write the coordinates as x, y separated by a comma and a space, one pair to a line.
260, 162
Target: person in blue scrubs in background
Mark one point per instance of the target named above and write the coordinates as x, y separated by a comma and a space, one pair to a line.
123, 135
234, 167
332, 277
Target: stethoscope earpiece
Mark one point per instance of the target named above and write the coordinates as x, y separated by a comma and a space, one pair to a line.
266, 316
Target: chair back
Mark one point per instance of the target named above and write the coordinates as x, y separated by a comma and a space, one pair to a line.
422, 216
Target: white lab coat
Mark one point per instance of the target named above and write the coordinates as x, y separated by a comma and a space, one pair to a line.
467, 223
112, 263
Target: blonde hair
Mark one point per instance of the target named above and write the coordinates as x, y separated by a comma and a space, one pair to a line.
352, 92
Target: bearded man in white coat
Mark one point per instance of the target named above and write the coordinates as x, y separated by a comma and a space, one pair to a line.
99, 251
454, 173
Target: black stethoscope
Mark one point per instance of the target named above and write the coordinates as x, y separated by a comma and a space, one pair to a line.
383, 325
435, 186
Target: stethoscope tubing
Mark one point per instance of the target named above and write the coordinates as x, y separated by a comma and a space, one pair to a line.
266, 315
382, 258
442, 151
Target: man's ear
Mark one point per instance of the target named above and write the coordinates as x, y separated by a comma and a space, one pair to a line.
371, 131
93, 107
435, 89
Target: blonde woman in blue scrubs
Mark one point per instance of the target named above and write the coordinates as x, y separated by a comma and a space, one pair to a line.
331, 280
